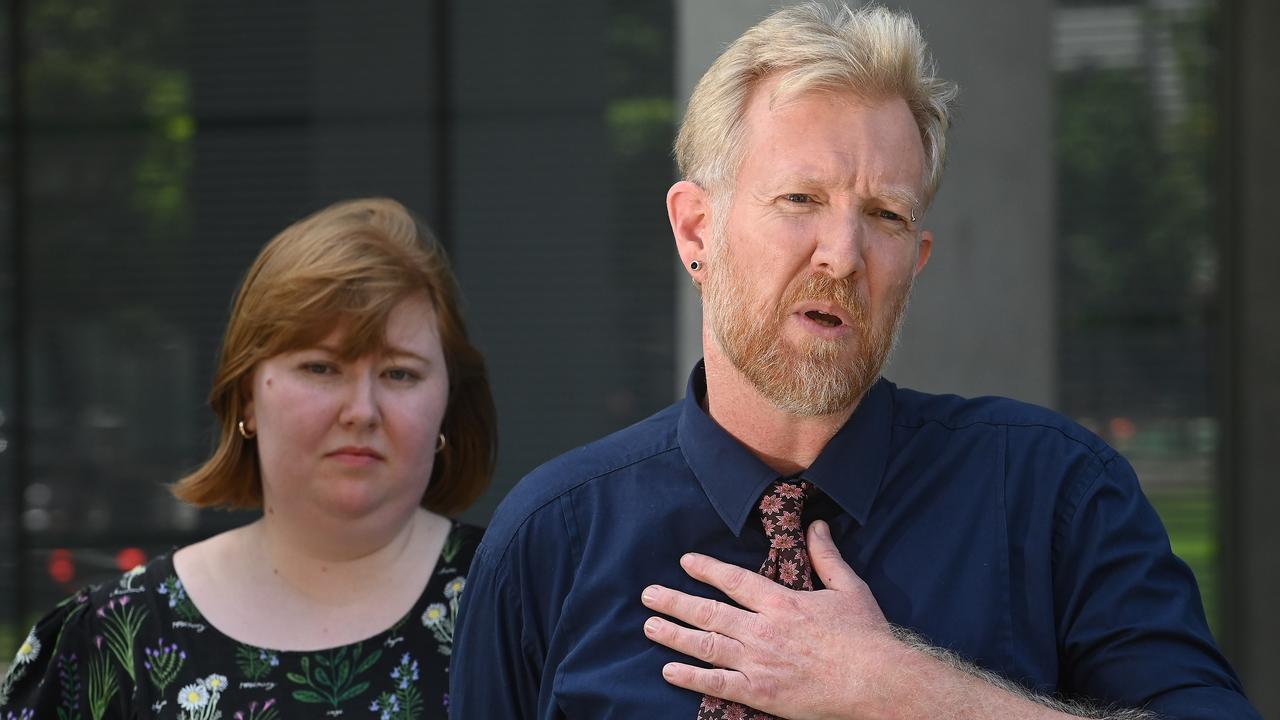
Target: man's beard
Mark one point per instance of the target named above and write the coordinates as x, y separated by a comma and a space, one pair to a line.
817, 378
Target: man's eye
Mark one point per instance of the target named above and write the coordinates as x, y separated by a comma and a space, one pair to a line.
891, 215
798, 198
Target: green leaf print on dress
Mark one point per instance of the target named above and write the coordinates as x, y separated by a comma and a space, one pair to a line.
121, 622
102, 685
255, 663
199, 700
334, 679
452, 545
69, 682
440, 618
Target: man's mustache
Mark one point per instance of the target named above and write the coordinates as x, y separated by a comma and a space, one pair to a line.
841, 292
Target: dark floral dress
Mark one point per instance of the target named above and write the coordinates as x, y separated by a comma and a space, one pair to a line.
138, 648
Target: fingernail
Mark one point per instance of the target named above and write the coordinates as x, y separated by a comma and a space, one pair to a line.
651, 626
668, 671
821, 530
687, 558
650, 594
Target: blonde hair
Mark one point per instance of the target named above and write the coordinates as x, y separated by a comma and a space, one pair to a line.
872, 51
350, 263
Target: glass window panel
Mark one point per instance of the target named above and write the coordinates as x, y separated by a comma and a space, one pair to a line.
562, 244
1136, 136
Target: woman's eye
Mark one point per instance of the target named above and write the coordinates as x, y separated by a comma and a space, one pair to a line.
317, 368
401, 374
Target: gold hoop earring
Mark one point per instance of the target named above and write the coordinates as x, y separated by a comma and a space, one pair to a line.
245, 432
441, 442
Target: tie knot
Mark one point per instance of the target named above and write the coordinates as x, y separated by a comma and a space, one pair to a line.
782, 506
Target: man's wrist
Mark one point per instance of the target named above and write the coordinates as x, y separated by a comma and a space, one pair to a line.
888, 686
915, 680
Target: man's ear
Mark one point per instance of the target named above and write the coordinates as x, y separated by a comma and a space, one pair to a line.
689, 210
922, 255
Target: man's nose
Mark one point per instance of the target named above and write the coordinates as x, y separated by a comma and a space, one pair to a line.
840, 245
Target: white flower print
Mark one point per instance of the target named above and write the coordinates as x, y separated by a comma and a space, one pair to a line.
199, 700
454, 588
193, 696
434, 615
28, 651
216, 683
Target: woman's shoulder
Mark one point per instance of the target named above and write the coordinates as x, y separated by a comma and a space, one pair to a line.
59, 634
93, 630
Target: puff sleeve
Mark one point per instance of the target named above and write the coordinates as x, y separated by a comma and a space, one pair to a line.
64, 668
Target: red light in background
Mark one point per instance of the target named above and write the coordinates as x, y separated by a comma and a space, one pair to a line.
62, 566
130, 558
1122, 428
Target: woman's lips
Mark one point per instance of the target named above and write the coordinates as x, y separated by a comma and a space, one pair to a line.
356, 456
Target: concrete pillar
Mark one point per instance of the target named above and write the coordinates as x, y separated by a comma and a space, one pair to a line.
703, 29
1250, 493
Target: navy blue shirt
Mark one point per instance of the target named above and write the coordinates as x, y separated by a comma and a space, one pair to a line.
998, 530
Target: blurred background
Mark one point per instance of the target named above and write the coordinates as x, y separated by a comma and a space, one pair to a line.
1102, 247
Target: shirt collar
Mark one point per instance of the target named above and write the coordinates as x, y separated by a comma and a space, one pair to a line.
848, 469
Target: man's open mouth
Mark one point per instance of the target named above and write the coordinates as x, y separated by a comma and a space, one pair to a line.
823, 319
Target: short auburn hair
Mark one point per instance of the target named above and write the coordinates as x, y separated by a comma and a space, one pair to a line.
348, 264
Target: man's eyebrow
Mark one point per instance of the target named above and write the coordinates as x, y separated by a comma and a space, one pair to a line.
896, 193
803, 179
900, 194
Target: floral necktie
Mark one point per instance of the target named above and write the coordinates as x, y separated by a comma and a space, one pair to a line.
787, 564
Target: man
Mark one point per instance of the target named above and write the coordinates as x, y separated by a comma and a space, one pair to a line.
1002, 561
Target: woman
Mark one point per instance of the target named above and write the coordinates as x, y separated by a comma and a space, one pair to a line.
355, 413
